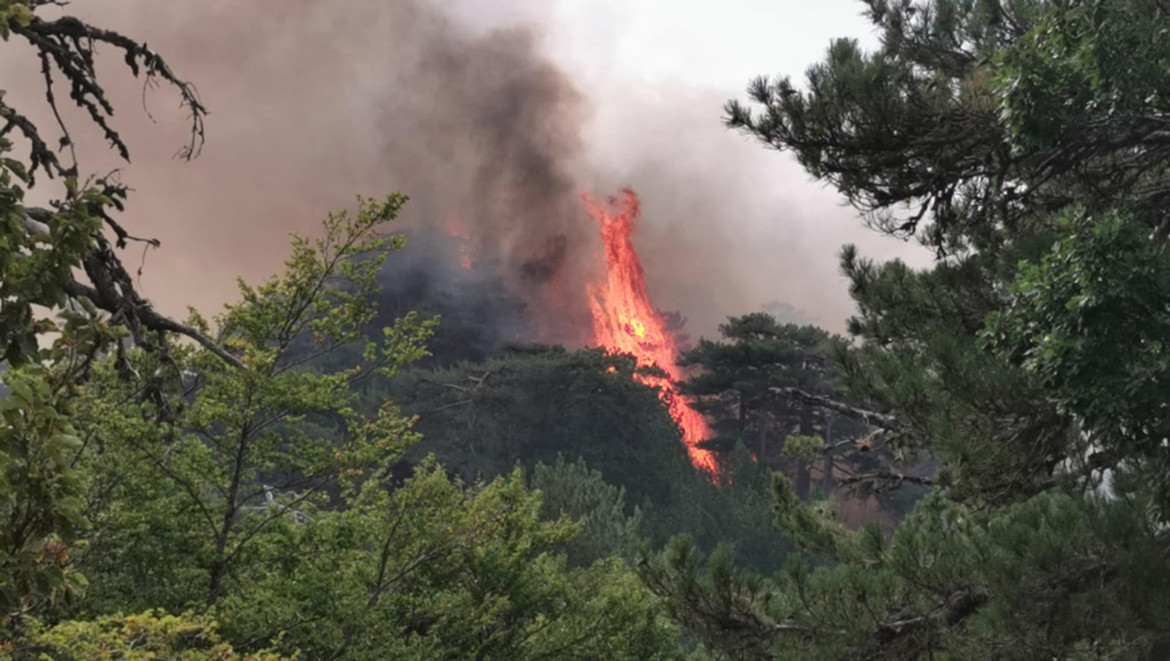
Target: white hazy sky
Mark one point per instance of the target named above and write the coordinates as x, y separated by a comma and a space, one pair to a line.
716, 44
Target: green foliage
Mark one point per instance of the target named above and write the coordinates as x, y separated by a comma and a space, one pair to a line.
805, 448
913, 124
145, 637
1090, 320
991, 427
51, 332
1107, 58
46, 359
762, 385
736, 513
39, 493
810, 523
738, 385
711, 596
195, 469
37, 257
1031, 581
981, 117
534, 405
432, 570
14, 13
572, 490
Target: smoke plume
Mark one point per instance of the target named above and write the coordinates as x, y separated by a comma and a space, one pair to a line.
313, 102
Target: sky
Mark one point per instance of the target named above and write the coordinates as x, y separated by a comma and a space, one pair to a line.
715, 44
701, 43
313, 102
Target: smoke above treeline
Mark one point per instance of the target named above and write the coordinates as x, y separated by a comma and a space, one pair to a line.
313, 102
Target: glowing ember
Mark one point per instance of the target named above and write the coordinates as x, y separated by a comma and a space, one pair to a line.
625, 322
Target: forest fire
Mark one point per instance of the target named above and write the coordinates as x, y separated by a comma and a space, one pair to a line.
564, 302
624, 320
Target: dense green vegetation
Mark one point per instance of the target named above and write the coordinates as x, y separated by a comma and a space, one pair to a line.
327, 471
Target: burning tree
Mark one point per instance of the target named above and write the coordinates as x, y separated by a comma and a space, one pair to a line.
624, 321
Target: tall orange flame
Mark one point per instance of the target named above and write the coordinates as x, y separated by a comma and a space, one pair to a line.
624, 321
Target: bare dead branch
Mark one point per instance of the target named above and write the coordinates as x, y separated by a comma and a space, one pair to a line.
66, 48
69, 44
40, 156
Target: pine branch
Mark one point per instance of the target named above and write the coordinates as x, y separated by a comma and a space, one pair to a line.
883, 420
957, 607
887, 479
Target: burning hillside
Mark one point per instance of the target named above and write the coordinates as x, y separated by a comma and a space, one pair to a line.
620, 316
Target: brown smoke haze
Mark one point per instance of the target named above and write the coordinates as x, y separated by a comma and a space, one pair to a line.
313, 102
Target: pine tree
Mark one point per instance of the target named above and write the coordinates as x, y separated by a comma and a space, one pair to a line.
757, 387
1025, 143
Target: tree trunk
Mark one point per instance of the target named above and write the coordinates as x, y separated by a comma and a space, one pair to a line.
215, 587
827, 465
803, 479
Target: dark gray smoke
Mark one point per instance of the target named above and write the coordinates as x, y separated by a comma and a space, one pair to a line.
313, 102
485, 133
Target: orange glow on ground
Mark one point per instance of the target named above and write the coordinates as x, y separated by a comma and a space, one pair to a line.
624, 321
